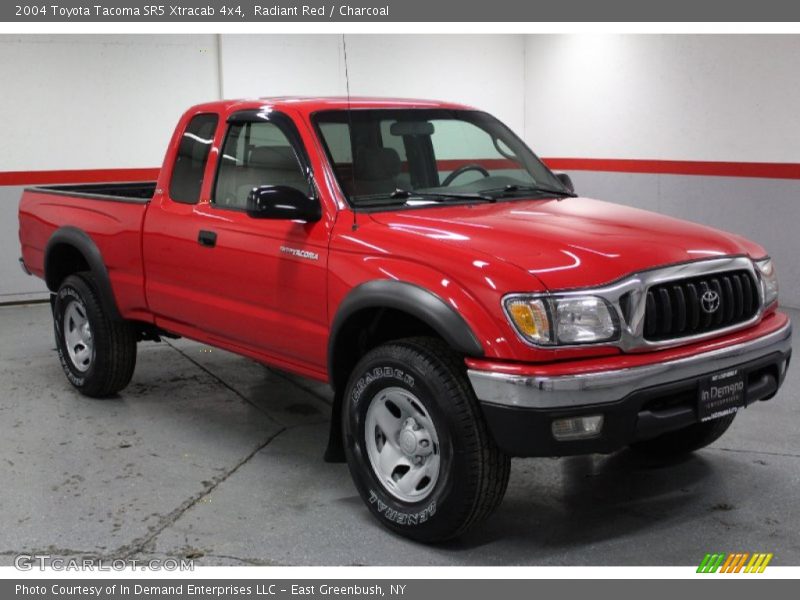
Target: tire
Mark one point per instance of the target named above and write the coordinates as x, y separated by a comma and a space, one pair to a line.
97, 353
414, 398
683, 441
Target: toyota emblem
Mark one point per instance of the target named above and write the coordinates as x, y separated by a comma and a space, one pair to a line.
709, 301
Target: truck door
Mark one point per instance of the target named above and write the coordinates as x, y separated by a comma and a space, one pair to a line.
257, 286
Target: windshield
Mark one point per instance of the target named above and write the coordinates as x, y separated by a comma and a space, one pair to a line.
419, 156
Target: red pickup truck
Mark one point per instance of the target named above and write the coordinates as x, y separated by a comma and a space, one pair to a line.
463, 302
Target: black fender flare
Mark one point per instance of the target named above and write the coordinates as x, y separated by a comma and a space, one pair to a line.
80, 240
412, 299
409, 298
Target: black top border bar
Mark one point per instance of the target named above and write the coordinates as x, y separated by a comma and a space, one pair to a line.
464, 11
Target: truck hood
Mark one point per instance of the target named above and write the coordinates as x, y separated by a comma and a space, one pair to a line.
574, 242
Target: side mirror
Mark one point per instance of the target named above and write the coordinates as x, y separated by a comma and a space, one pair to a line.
282, 202
566, 180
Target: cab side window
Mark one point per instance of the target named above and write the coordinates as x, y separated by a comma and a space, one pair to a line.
255, 154
190, 163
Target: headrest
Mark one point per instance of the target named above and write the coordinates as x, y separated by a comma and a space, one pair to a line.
274, 157
376, 164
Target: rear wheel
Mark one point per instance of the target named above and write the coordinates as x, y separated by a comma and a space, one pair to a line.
416, 443
686, 440
97, 353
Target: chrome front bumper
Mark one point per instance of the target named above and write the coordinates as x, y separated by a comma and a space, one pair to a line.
609, 386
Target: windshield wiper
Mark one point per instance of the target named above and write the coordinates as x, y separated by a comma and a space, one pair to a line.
401, 194
514, 188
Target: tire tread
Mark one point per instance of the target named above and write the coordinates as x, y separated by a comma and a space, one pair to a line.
490, 467
120, 360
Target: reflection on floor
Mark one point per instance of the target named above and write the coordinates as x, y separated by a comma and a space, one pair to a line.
215, 457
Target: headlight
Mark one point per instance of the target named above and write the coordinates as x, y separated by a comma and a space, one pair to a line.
769, 280
564, 320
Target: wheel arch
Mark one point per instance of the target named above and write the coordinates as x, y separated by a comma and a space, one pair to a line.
365, 302
71, 250
409, 310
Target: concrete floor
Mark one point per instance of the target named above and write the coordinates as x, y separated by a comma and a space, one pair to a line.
215, 457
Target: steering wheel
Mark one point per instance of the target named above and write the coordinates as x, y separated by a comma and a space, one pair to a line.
464, 169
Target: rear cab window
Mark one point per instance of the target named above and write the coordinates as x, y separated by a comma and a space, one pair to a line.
190, 163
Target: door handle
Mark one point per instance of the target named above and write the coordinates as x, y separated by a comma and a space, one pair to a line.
207, 238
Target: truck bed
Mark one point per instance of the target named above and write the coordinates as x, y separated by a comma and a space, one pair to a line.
138, 191
111, 215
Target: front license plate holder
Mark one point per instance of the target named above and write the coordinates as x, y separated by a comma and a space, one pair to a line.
720, 394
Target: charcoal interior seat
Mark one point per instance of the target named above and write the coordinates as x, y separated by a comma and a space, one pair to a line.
274, 165
376, 171
267, 165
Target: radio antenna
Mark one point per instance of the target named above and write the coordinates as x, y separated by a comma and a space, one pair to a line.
350, 128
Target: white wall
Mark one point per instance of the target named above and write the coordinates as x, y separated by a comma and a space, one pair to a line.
281, 65
676, 97
98, 101
89, 102
706, 98
484, 71
120, 96
658, 97
95, 102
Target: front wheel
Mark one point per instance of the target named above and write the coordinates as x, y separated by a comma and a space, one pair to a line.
416, 443
97, 352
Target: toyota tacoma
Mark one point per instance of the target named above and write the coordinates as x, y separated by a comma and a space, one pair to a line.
464, 303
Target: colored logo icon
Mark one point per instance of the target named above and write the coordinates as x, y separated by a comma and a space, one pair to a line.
739, 562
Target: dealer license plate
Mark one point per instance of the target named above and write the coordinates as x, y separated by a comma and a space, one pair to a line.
721, 394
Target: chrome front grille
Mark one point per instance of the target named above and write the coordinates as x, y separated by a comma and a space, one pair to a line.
700, 304
662, 307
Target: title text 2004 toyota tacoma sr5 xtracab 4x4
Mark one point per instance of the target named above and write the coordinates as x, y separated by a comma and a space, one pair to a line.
464, 303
